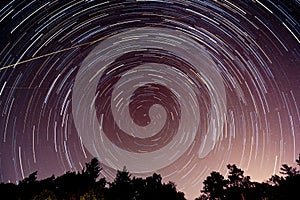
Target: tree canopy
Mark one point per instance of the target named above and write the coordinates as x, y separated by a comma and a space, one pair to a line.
239, 187
87, 185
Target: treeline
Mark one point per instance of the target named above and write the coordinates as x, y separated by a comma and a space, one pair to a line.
86, 185
240, 187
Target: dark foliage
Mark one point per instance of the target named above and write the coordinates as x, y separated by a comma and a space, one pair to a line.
215, 185
87, 186
239, 187
126, 188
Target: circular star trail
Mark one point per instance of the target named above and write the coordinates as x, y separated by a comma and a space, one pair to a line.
179, 88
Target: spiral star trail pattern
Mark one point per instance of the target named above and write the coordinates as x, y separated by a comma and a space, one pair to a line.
180, 88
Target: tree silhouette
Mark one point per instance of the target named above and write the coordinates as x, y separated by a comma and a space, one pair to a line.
238, 183
169, 191
289, 184
236, 177
121, 187
139, 185
30, 179
298, 160
124, 187
238, 186
83, 186
28, 186
154, 182
275, 180
68, 185
214, 186
288, 171
93, 169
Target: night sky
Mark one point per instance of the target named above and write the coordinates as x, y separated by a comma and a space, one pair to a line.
180, 88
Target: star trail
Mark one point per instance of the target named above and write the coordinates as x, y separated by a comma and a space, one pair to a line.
180, 88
